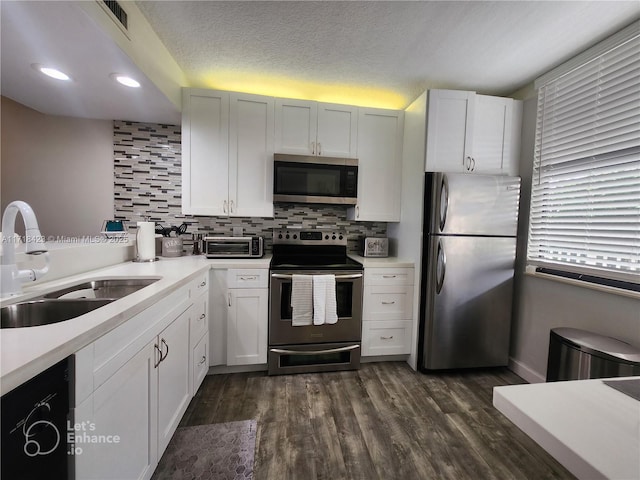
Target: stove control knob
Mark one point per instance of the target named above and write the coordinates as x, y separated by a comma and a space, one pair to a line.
333, 237
287, 237
280, 236
295, 236
326, 237
340, 237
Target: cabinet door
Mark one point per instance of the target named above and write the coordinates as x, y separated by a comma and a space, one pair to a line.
247, 324
337, 130
205, 152
449, 130
219, 308
174, 392
251, 155
296, 126
491, 134
124, 406
379, 165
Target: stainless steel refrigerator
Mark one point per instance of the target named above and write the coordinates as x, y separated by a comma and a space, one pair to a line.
469, 246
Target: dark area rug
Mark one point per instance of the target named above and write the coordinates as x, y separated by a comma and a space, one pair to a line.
220, 451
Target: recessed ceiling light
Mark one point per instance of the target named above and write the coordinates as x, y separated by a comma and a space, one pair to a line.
51, 72
124, 80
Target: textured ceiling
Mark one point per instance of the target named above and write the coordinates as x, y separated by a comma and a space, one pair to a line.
387, 52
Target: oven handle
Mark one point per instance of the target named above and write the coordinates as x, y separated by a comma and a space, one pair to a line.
314, 352
338, 277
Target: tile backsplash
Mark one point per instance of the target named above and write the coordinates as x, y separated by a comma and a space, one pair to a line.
148, 186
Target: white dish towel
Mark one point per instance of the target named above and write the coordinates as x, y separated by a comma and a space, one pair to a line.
301, 300
325, 309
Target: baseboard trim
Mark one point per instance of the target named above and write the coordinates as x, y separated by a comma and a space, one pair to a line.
222, 369
525, 372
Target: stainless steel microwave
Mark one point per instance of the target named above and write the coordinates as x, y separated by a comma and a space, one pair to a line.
308, 179
233, 247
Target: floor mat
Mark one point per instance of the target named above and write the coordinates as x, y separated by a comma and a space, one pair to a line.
220, 451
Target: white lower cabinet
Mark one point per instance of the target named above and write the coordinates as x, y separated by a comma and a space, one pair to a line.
134, 384
247, 316
387, 311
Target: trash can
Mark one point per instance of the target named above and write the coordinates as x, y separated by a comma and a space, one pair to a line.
576, 354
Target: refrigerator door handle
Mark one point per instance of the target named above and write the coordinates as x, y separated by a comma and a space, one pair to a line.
444, 202
441, 267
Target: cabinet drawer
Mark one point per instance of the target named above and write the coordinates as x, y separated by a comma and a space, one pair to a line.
387, 302
199, 318
386, 338
388, 276
248, 278
200, 364
199, 285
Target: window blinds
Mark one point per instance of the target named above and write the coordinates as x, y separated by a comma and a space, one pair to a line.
585, 200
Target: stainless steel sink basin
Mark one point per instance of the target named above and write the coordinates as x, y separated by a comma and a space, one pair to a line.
70, 302
44, 312
112, 288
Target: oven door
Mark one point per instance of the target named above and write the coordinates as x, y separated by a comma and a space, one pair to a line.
348, 328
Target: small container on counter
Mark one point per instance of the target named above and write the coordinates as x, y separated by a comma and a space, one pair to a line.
171, 247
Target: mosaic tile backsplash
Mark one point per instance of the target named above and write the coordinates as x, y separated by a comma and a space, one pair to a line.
148, 186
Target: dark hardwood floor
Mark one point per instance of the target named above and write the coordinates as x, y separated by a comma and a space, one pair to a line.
383, 421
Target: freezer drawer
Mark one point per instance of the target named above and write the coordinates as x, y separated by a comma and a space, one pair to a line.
467, 303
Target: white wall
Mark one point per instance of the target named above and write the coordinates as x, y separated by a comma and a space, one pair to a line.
541, 304
61, 166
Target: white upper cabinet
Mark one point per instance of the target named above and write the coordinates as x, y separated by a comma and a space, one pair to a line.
310, 128
472, 133
205, 152
380, 134
227, 154
251, 155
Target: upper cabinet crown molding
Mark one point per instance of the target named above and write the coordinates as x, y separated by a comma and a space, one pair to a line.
472, 133
320, 129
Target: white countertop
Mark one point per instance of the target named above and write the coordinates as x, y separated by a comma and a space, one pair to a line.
386, 262
27, 351
589, 427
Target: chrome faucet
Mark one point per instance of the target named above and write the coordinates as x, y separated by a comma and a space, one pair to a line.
10, 277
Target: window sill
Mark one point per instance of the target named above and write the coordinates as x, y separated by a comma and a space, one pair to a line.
531, 271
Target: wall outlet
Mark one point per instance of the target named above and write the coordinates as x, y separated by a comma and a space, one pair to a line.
238, 231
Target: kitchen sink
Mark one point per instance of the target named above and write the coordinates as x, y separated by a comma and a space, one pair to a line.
112, 288
70, 302
43, 312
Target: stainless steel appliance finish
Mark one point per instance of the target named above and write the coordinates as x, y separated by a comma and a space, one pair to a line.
374, 247
309, 179
233, 247
576, 354
469, 245
314, 348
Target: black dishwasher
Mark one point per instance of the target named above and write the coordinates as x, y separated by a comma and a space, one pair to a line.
34, 426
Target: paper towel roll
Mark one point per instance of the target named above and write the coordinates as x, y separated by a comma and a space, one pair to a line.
146, 241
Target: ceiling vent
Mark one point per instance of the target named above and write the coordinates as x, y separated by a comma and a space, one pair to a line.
118, 12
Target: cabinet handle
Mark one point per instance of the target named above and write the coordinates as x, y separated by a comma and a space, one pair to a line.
467, 163
231, 206
253, 277
224, 207
204, 359
386, 338
473, 165
319, 148
167, 353
203, 284
160, 358
388, 276
202, 315
357, 211
313, 148
229, 298
388, 303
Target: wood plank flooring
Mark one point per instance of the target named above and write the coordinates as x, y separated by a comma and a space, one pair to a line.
383, 421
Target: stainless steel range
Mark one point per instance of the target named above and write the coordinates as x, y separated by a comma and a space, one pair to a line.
314, 348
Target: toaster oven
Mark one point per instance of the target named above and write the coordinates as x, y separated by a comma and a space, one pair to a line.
233, 247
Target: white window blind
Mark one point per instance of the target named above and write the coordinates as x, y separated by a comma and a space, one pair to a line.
585, 199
